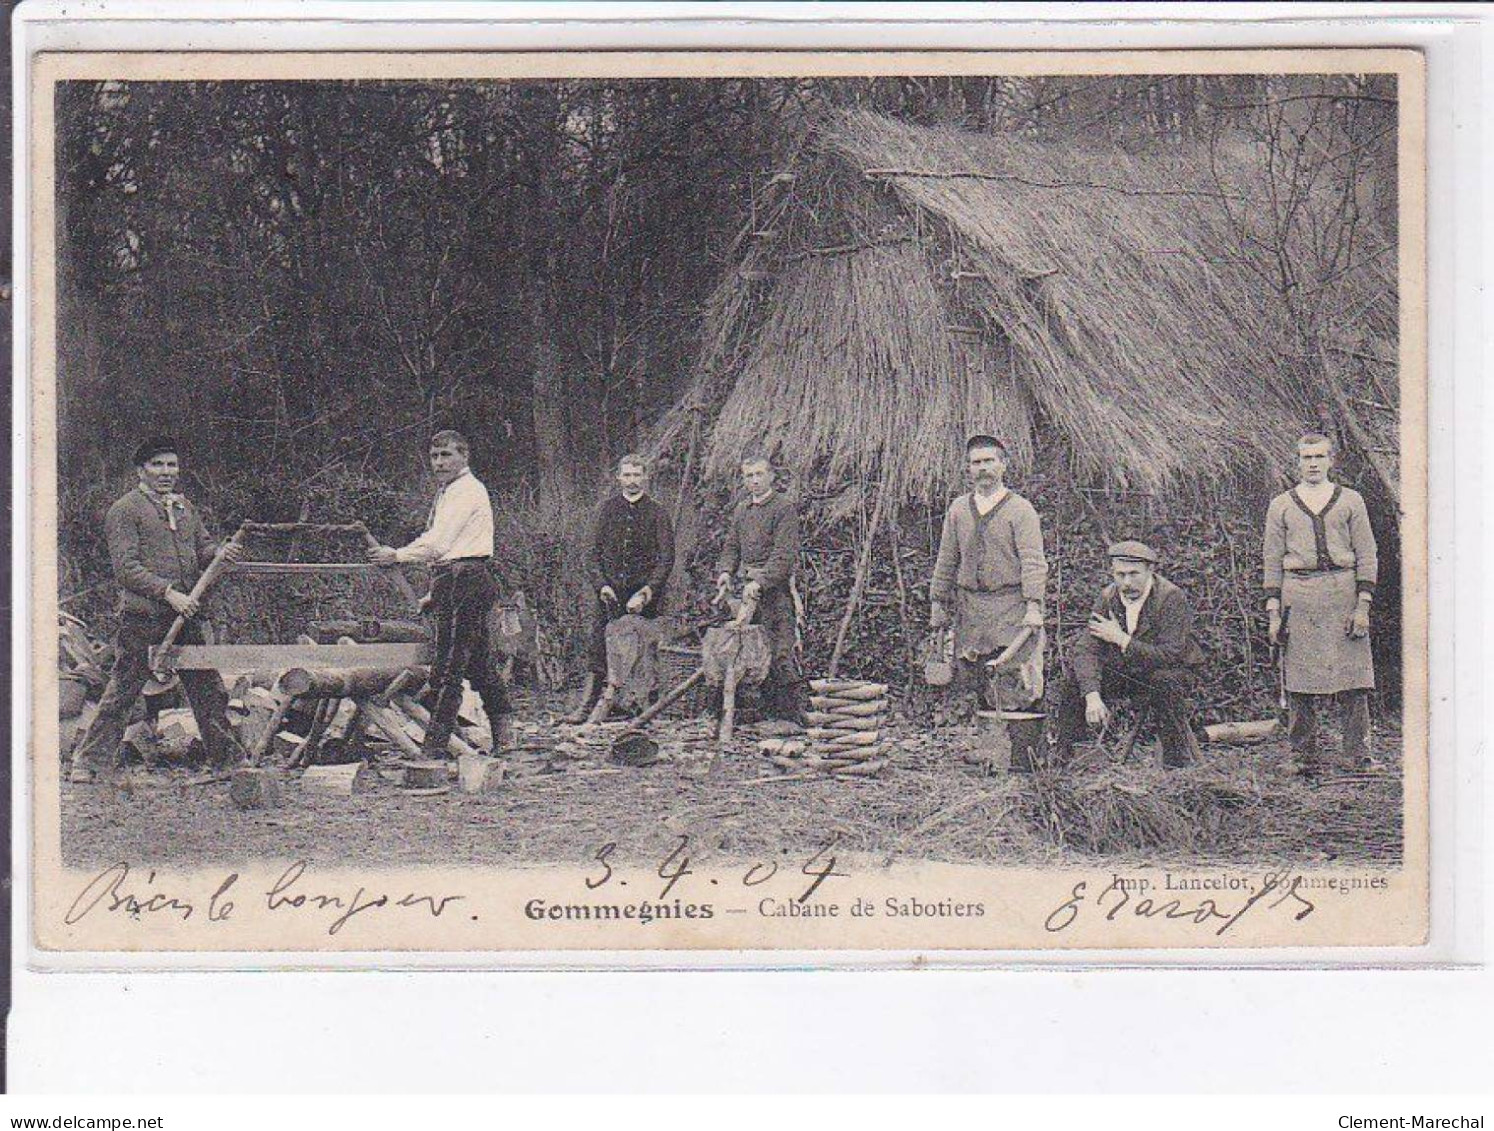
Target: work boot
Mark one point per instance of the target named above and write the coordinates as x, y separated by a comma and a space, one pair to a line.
590, 693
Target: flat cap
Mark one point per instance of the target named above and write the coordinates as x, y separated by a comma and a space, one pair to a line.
1132, 552
155, 446
984, 440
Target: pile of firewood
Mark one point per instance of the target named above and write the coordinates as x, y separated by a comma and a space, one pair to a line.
844, 735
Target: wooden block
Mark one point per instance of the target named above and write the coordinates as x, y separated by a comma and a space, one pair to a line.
340, 781
478, 773
427, 774
287, 744
252, 788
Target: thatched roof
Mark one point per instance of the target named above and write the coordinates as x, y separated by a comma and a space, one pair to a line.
915, 284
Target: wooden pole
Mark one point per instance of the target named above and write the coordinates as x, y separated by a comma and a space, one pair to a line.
406, 589
209, 576
858, 586
664, 703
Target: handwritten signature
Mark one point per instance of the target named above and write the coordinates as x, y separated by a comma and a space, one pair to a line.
117, 889
1114, 901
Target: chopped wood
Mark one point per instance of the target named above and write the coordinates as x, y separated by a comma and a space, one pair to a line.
844, 738
347, 780
478, 773
849, 688
388, 723
829, 720
253, 788
847, 707
464, 739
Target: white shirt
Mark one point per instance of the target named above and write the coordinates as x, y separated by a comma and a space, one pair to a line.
461, 524
1133, 608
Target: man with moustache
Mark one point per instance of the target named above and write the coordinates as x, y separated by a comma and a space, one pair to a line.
1138, 645
158, 547
992, 569
762, 549
1321, 565
632, 554
458, 547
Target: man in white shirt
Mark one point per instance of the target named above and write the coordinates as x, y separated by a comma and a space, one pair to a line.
458, 547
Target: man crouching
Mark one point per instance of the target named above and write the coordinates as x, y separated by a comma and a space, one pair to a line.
1138, 644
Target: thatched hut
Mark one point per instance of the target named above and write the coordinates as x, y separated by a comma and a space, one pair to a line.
1112, 315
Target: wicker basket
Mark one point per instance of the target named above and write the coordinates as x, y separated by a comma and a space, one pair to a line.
677, 662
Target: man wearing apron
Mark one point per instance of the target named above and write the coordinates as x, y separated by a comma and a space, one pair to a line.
992, 569
1320, 570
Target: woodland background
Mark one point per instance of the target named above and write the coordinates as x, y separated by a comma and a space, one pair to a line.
303, 280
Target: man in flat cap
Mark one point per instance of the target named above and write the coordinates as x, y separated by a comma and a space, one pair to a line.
158, 547
1321, 565
1139, 645
991, 568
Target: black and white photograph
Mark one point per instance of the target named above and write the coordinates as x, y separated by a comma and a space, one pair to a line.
710, 506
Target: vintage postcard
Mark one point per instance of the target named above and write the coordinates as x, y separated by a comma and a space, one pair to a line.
739, 502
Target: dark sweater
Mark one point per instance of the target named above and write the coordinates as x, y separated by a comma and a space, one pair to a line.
762, 542
148, 556
1163, 637
632, 546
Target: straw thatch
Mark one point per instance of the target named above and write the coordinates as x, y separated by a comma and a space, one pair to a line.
912, 285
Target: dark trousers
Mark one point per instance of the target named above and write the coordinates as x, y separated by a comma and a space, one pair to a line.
785, 694
604, 614
1166, 692
462, 598
1302, 724
205, 692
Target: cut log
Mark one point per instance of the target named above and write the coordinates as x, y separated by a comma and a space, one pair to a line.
843, 738
347, 780
848, 688
863, 769
253, 657
1254, 731
854, 708
458, 743
263, 727
252, 788
428, 774
340, 683
478, 773
829, 720
388, 723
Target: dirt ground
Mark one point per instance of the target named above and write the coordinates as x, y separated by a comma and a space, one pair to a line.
562, 801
